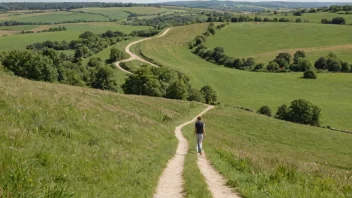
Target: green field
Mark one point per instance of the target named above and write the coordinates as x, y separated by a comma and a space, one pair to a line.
74, 30
63, 141
266, 157
311, 17
19, 27
331, 92
54, 17
265, 40
119, 13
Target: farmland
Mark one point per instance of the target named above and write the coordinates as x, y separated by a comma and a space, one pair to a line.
265, 40
73, 31
253, 90
311, 17
54, 17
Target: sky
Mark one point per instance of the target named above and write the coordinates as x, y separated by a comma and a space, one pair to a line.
158, 1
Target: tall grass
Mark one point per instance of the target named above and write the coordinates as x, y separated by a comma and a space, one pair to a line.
62, 141
265, 157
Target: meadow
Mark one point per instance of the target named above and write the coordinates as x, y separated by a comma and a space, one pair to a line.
63, 141
265, 40
311, 17
266, 157
73, 31
119, 13
54, 17
331, 92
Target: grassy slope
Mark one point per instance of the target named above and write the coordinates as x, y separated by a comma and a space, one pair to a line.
95, 143
52, 17
74, 30
247, 148
312, 17
250, 39
331, 92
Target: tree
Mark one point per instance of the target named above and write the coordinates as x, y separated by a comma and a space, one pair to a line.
325, 21
298, 20
52, 54
250, 62
212, 30
104, 78
282, 112
338, 20
309, 74
285, 56
177, 90
116, 54
95, 62
297, 13
209, 94
272, 66
345, 67
333, 65
297, 55
304, 112
265, 110
195, 95
259, 66
321, 63
90, 36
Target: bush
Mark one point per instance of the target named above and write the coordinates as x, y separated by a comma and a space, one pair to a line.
265, 110
259, 66
309, 74
195, 95
304, 112
338, 20
209, 94
273, 66
282, 112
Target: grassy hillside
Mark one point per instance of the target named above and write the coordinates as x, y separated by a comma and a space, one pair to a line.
331, 92
265, 40
59, 140
311, 17
54, 17
73, 31
266, 157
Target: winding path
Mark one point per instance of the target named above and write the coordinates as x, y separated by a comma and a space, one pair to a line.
171, 181
134, 56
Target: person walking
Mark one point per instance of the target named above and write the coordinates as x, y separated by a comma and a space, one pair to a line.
199, 132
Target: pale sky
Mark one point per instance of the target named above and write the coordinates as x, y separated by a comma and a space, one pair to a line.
158, 1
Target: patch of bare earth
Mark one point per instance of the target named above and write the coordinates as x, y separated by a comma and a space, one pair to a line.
8, 32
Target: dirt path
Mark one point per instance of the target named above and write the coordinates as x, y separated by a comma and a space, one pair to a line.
134, 56
171, 181
215, 181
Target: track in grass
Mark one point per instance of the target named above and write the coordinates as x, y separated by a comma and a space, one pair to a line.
134, 56
171, 181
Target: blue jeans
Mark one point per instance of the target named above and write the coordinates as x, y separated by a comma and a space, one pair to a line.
199, 142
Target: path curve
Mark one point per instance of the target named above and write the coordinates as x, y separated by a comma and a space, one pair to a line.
134, 56
171, 181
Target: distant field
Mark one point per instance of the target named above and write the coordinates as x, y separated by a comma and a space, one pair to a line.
249, 149
250, 39
52, 17
19, 27
66, 141
311, 17
331, 92
74, 30
119, 13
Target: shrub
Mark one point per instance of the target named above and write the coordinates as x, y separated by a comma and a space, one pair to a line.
259, 66
282, 112
209, 94
273, 66
304, 112
338, 20
309, 74
265, 110
195, 95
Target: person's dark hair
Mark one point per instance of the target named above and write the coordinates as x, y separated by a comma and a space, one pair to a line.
199, 118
